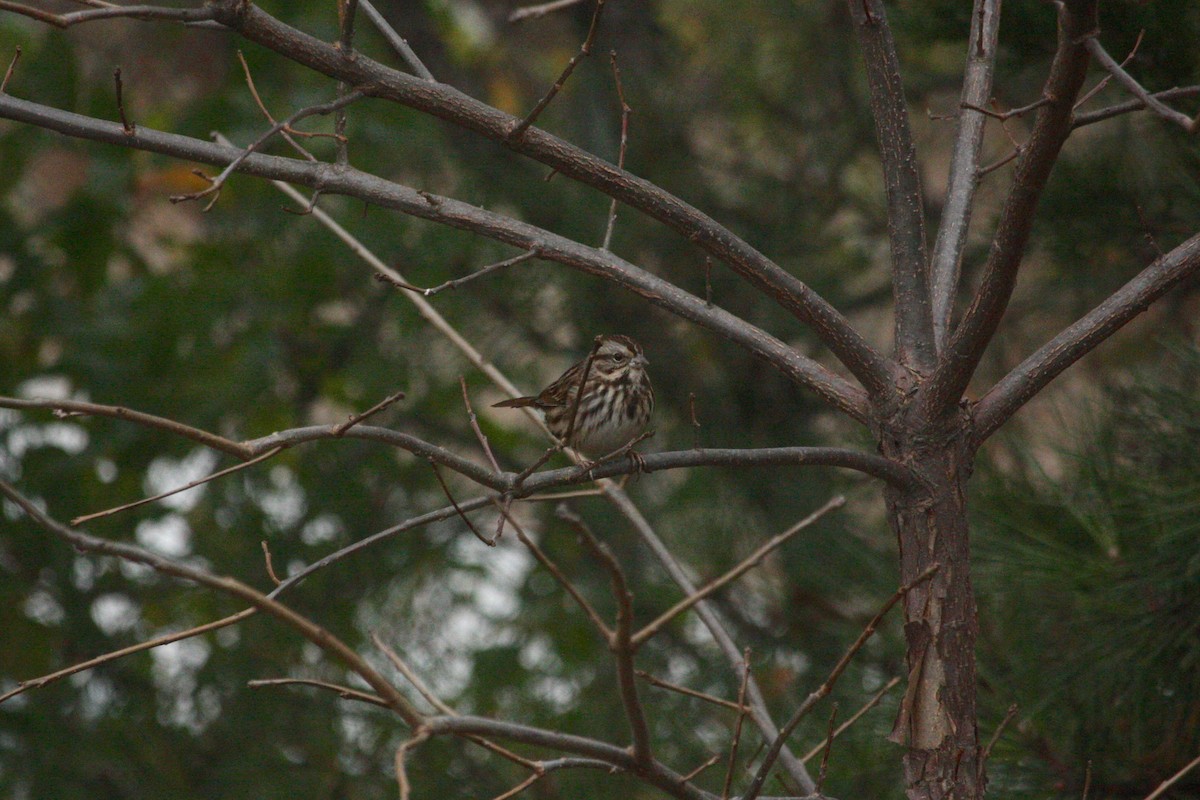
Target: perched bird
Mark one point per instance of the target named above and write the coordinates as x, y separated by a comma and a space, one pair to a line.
616, 403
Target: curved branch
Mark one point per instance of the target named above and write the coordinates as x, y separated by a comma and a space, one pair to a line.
331, 179
1031, 375
902, 180
946, 264
1077, 23
310, 630
652, 772
442, 101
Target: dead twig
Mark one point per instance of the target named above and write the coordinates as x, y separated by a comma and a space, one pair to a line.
540, 10
874, 701
828, 747
341, 429
191, 485
12, 65
519, 128
126, 126
446, 489
751, 561
625, 112
270, 567
344, 692
987, 750
826, 687
737, 727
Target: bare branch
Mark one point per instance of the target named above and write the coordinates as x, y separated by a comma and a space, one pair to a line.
126, 125
585, 50
396, 41
447, 103
190, 485
1130, 83
946, 263
874, 701
1031, 375
540, 10
826, 687
344, 692
214, 187
1077, 23
319, 636
737, 727
1171, 781
588, 609
619, 641
488, 270
987, 749
345, 180
902, 180
201, 14
340, 430
753, 560
674, 687
653, 772
73, 407
12, 65
625, 112
1093, 117
150, 644
758, 706
828, 749
467, 520
1099, 87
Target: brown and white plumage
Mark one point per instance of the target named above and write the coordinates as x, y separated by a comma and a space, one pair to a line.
616, 402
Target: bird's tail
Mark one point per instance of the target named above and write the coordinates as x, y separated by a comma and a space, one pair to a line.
516, 402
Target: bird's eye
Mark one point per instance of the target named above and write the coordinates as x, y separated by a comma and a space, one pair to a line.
618, 357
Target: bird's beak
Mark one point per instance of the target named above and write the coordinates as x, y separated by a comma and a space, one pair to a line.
640, 361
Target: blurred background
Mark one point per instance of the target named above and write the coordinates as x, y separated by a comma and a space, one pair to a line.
246, 320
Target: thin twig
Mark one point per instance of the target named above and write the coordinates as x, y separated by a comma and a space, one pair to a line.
826, 687
401, 771
1104, 81
712, 760
489, 269
191, 485
345, 692
126, 125
11, 66
270, 567
200, 16
1171, 781
520, 787
737, 727
218, 182
874, 701
619, 642
321, 637
446, 489
674, 687
1100, 115
540, 10
341, 429
158, 641
987, 750
754, 559
64, 408
396, 41
708, 265
410, 674
1007, 115
579, 391
287, 132
625, 112
1087, 780
483, 440
828, 748
585, 50
1131, 84
563, 581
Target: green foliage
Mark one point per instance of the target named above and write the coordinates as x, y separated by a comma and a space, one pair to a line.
1090, 596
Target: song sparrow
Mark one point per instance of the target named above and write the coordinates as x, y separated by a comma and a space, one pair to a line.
616, 402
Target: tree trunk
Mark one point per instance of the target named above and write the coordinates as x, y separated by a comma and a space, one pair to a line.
937, 719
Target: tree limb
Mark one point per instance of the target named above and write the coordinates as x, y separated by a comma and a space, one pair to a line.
946, 264
902, 181
333, 179
442, 101
1052, 126
1035, 372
